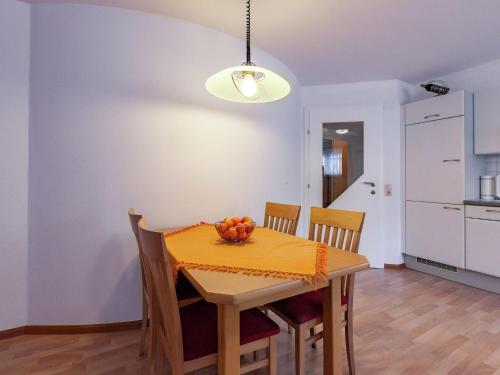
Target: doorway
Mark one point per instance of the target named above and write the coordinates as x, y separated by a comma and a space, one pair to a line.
344, 171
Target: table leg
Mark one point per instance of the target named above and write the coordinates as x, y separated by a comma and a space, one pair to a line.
332, 329
229, 339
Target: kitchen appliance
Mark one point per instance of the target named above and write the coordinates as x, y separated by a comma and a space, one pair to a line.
498, 186
488, 190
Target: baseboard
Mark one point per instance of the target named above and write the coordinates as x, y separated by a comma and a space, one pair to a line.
395, 266
12, 332
71, 329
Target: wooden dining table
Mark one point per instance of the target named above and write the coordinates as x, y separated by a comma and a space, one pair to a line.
234, 292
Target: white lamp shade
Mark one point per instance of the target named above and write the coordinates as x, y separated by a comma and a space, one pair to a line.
270, 87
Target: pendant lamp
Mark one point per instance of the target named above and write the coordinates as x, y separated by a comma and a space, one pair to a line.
248, 83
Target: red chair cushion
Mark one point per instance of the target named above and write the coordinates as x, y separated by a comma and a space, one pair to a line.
199, 328
184, 289
304, 307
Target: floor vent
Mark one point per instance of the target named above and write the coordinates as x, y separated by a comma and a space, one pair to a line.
437, 265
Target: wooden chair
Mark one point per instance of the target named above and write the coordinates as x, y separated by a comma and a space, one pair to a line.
187, 337
342, 230
134, 223
186, 293
282, 217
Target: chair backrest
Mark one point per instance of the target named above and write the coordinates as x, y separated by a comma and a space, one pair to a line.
336, 228
165, 317
134, 223
340, 229
282, 217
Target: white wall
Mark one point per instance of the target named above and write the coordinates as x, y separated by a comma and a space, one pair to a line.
480, 77
477, 78
14, 122
387, 96
120, 118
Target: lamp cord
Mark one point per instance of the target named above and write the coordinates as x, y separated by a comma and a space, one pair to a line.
248, 32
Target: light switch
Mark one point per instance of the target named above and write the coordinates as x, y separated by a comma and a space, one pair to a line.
388, 190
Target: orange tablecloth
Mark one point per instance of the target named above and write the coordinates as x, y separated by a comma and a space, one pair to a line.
267, 253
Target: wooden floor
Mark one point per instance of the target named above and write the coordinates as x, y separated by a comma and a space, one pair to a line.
405, 322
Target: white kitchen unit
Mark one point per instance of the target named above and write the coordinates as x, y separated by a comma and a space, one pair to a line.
435, 231
437, 108
441, 172
435, 161
483, 239
487, 121
440, 162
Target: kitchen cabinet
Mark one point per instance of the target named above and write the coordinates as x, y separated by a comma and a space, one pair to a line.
483, 240
436, 108
487, 122
441, 171
435, 170
436, 231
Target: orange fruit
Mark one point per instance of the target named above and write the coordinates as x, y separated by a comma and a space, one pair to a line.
240, 228
247, 219
232, 233
223, 227
243, 235
236, 220
228, 221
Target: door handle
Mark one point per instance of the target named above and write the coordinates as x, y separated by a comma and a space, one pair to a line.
431, 116
452, 208
372, 184
449, 160
493, 211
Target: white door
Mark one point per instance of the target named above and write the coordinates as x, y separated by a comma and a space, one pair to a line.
435, 165
436, 231
358, 196
483, 254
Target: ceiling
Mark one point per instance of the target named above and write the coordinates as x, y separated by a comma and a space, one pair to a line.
337, 41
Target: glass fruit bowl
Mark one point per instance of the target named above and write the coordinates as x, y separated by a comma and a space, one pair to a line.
235, 229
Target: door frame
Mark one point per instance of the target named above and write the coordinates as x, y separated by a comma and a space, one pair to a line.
367, 113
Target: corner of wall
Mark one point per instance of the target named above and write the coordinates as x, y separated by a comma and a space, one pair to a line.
14, 124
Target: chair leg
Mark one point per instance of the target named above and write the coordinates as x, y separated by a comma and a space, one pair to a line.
150, 351
163, 367
300, 350
149, 364
312, 334
152, 355
272, 355
349, 343
158, 359
144, 327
